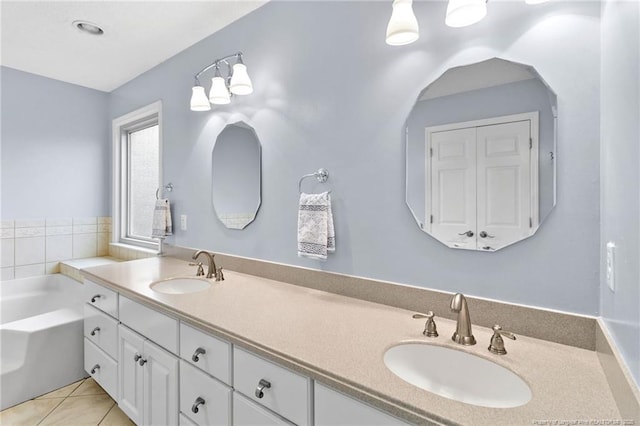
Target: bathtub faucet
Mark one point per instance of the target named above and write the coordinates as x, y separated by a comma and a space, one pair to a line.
212, 271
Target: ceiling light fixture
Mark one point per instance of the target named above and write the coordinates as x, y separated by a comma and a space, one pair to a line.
88, 27
237, 82
403, 25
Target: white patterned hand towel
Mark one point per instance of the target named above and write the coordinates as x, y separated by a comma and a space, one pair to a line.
316, 235
162, 219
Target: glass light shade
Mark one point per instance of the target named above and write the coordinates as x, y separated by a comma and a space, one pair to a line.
535, 1
403, 25
219, 94
199, 101
240, 81
462, 13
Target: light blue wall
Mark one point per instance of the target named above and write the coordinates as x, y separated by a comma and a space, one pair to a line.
330, 93
620, 174
55, 148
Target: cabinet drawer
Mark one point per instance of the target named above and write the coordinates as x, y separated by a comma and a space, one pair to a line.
101, 329
247, 413
334, 408
155, 326
102, 298
289, 392
107, 373
216, 360
196, 385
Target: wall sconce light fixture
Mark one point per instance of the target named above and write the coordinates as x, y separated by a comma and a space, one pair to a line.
237, 82
403, 26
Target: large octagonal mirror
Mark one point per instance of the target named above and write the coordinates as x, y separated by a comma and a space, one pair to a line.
481, 155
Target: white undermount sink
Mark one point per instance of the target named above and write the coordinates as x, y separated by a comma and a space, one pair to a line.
457, 375
180, 285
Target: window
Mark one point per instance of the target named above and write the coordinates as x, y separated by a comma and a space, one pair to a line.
137, 148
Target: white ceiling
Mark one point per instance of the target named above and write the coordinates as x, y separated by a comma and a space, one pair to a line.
38, 36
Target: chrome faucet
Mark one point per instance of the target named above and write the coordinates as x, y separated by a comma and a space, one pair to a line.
463, 334
212, 271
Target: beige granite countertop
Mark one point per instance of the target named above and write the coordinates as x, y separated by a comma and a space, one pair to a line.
340, 341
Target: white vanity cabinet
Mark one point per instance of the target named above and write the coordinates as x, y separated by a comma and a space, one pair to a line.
147, 380
277, 388
101, 336
334, 408
248, 413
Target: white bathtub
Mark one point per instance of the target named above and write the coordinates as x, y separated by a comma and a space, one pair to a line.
41, 336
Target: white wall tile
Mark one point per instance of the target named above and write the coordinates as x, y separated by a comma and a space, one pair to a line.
59, 247
52, 268
29, 270
4, 224
59, 230
7, 273
85, 229
29, 251
30, 232
103, 244
85, 245
7, 233
60, 222
104, 219
85, 220
7, 247
30, 223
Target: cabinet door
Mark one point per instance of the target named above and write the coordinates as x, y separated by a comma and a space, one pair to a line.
130, 374
334, 408
247, 413
453, 187
160, 386
504, 184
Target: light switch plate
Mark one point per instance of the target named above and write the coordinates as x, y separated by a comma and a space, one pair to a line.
611, 266
183, 222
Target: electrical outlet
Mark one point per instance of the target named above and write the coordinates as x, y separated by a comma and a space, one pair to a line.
183, 222
611, 266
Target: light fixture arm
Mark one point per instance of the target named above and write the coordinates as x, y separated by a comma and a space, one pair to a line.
216, 63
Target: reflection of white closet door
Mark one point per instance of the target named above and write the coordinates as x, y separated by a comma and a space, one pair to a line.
453, 186
504, 183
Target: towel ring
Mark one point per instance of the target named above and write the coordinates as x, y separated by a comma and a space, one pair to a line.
321, 175
168, 187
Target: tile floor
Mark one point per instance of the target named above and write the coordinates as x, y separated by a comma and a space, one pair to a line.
78, 404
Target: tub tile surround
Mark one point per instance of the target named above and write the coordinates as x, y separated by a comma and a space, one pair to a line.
360, 331
36, 246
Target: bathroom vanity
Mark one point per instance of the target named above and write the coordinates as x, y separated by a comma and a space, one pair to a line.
249, 350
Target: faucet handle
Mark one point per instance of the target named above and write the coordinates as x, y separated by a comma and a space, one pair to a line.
430, 329
496, 345
219, 275
200, 271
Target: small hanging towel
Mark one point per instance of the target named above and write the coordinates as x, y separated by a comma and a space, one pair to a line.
162, 219
316, 234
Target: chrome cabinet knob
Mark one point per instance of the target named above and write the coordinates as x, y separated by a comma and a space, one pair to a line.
196, 355
95, 330
198, 403
142, 361
137, 357
262, 385
483, 234
95, 298
469, 233
95, 368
